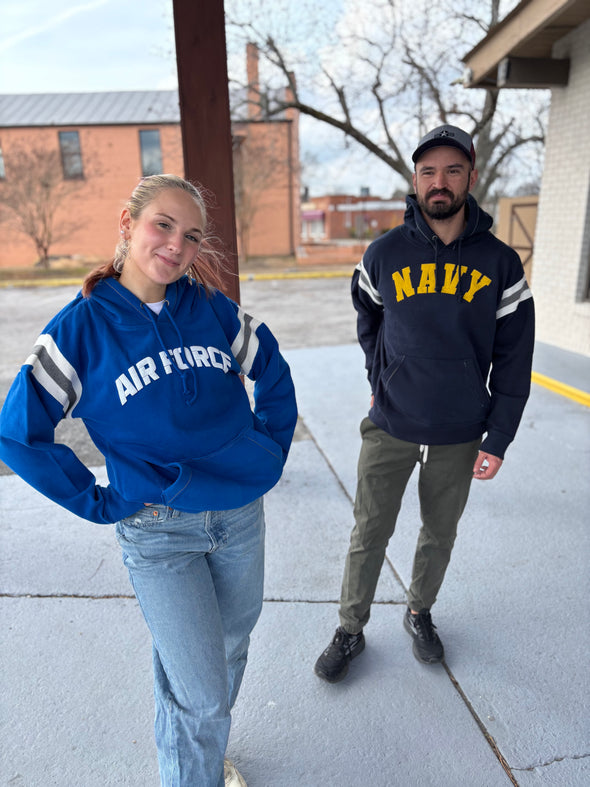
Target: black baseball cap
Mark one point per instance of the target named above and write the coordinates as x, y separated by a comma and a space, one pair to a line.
446, 135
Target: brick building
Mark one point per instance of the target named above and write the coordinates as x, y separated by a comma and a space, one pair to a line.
107, 141
266, 173
340, 217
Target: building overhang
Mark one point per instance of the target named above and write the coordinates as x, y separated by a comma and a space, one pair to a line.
517, 52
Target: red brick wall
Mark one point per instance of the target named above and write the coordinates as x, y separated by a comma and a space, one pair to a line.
358, 223
112, 167
274, 187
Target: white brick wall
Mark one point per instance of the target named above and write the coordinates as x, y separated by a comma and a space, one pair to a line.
562, 237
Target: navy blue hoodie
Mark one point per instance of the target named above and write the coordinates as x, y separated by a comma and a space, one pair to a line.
447, 332
162, 399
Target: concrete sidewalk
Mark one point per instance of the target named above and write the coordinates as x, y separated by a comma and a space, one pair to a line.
510, 705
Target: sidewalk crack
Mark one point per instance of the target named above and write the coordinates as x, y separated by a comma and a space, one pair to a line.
491, 741
552, 761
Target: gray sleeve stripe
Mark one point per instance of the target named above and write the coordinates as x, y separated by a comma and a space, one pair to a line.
365, 284
55, 373
245, 345
512, 296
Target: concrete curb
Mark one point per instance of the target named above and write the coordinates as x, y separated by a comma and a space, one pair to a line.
73, 282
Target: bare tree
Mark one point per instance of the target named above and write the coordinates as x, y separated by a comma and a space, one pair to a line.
33, 195
244, 197
256, 163
387, 71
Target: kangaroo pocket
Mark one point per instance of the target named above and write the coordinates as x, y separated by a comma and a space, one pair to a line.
434, 391
237, 473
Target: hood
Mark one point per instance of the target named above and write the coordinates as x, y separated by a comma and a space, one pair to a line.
125, 308
415, 225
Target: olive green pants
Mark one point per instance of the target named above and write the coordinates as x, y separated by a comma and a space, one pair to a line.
384, 469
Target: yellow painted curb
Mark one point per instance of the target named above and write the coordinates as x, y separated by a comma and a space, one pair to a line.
562, 389
295, 275
243, 277
41, 283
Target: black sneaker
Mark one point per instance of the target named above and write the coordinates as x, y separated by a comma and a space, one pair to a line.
427, 646
332, 665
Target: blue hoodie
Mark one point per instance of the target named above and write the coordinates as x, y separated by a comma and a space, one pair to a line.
447, 333
162, 399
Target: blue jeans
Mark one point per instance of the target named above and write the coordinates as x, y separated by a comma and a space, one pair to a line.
198, 579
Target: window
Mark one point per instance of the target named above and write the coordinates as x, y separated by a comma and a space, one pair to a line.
151, 152
71, 157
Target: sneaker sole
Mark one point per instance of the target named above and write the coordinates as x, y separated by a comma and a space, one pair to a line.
344, 672
421, 659
428, 660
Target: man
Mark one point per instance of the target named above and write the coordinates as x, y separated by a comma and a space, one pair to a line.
446, 322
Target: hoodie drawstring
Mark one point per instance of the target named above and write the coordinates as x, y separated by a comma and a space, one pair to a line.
460, 291
460, 286
190, 392
437, 273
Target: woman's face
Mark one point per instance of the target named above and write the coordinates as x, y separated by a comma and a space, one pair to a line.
163, 243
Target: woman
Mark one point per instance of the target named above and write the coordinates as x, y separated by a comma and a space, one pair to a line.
149, 355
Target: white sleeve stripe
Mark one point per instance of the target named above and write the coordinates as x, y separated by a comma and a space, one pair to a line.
365, 284
55, 373
245, 345
516, 288
512, 296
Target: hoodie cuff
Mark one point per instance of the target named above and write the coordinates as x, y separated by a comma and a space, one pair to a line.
113, 506
496, 443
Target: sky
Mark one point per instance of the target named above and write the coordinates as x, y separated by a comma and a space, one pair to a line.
65, 46
109, 45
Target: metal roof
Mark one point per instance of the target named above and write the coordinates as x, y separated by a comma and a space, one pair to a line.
89, 109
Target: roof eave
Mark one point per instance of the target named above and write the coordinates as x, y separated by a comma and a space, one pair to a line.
527, 33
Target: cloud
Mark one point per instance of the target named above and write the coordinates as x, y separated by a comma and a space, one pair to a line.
50, 24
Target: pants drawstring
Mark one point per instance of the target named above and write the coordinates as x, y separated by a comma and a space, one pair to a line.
423, 454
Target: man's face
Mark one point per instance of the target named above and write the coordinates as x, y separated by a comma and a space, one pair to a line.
442, 181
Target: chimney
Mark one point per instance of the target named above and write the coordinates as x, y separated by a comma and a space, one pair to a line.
254, 112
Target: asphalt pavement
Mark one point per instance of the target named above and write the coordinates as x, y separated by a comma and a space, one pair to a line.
508, 706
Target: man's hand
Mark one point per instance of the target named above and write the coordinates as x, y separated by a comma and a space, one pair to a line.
486, 466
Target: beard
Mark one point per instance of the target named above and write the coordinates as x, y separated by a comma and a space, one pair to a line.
442, 210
